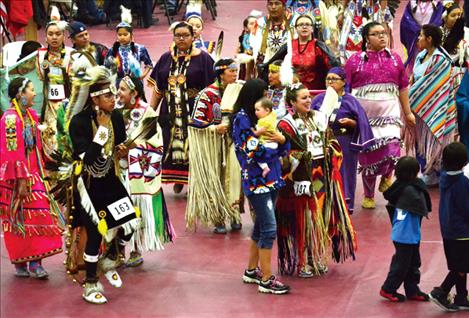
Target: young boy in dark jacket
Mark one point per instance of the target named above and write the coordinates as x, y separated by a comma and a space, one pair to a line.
409, 201
454, 225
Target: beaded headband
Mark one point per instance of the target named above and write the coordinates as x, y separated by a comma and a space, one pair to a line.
224, 67
110, 89
128, 81
274, 68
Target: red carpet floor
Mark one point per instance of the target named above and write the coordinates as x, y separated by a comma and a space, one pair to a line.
199, 275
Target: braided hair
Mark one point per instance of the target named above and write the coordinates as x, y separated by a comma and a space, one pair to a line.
365, 31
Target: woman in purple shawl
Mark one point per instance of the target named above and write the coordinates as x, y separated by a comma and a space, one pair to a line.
176, 79
351, 128
416, 14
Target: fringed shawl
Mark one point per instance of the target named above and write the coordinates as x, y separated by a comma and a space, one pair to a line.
432, 96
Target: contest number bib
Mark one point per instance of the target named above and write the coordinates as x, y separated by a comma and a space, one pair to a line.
56, 92
302, 188
121, 208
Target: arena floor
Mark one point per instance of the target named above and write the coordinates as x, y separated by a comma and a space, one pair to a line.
199, 275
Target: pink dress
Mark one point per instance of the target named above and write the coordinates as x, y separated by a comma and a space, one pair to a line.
376, 78
30, 231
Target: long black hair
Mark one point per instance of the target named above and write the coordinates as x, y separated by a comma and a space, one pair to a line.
434, 32
250, 93
139, 87
366, 31
455, 36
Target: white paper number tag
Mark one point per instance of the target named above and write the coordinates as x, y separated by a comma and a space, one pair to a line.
56, 92
121, 208
302, 188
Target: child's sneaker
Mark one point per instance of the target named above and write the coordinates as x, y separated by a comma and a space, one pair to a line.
462, 302
440, 298
252, 276
306, 272
273, 286
394, 297
420, 296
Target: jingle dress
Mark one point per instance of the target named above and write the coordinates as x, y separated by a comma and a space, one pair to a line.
179, 80
30, 230
106, 211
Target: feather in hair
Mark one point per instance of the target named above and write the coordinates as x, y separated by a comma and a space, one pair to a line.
55, 19
54, 14
126, 15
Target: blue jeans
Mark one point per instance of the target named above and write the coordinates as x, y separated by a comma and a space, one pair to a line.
265, 226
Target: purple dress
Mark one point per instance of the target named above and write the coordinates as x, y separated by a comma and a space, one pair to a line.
199, 75
352, 141
410, 30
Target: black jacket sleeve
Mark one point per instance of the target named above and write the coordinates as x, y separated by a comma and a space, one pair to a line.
81, 133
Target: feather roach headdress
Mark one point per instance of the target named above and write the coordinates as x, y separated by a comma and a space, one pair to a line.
81, 88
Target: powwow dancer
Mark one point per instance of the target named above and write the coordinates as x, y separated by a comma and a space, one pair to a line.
176, 80
215, 181
351, 127
29, 215
311, 209
143, 174
98, 133
381, 94
53, 65
126, 55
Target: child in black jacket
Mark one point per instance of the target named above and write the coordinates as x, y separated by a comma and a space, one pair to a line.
409, 201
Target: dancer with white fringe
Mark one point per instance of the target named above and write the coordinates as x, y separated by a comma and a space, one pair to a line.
215, 182
143, 171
